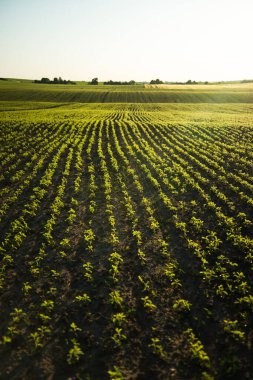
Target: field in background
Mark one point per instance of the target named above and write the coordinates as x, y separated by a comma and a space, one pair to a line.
126, 233
223, 93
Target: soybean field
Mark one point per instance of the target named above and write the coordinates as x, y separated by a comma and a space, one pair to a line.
126, 240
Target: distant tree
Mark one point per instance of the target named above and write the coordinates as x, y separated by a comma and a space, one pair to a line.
191, 82
94, 81
45, 80
156, 81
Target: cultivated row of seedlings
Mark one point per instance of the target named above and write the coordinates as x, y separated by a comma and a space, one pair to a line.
124, 239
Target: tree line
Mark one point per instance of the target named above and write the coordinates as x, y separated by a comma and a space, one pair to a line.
54, 81
94, 81
131, 82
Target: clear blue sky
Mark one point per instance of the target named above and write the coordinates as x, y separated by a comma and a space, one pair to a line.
127, 39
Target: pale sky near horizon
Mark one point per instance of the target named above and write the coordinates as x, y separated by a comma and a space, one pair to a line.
127, 39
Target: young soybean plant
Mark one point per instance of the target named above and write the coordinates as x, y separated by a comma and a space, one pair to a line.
116, 374
75, 352
89, 237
